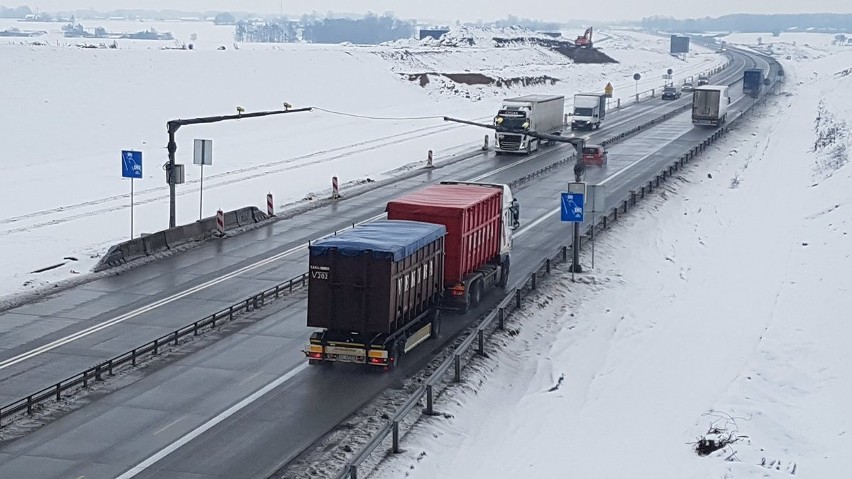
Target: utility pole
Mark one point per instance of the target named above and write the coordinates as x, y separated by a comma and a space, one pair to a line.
173, 126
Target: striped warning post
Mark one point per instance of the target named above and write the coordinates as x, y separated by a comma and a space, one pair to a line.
335, 189
270, 208
220, 222
429, 159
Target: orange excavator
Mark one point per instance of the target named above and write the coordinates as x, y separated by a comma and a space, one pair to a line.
585, 40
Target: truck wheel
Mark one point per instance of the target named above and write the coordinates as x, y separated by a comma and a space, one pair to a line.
436, 324
396, 353
504, 274
476, 294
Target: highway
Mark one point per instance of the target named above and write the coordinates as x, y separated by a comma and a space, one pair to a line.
246, 403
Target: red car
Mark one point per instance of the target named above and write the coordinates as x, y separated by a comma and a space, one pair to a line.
594, 155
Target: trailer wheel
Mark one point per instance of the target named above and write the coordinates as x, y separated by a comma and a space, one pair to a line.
395, 355
436, 324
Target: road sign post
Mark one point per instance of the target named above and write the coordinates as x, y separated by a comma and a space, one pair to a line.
572, 210
202, 155
131, 167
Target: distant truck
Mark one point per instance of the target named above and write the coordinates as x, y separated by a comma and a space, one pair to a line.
537, 113
752, 82
377, 290
703, 80
710, 105
589, 111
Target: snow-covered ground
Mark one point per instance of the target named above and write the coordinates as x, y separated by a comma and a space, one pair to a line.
721, 303
72, 110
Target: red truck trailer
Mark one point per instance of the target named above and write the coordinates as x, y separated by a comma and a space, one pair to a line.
376, 291
478, 241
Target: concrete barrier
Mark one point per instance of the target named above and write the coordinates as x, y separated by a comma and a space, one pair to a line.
171, 238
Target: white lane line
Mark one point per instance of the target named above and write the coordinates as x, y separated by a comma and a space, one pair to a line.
211, 423
158, 431
536, 222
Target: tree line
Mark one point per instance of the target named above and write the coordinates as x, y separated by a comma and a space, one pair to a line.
369, 30
830, 22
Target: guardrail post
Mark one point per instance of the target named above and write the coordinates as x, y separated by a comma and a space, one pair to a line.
58, 391
276, 290
30, 405
603, 222
98, 372
481, 338
518, 298
230, 313
618, 103
109, 365
353, 472
564, 254
625, 205
501, 319
195, 328
291, 285
176, 338
213, 320
156, 346
547, 265
633, 197
429, 406
133, 358
457, 361
532, 280
396, 437
86, 378
642, 192
615, 214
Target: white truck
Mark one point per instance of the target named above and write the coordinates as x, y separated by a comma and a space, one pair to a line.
589, 110
710, 105
536, 113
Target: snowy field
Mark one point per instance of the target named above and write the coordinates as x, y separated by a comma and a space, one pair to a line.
77, 108
721, 303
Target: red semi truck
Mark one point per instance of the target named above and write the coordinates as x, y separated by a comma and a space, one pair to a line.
479, 219
377, 290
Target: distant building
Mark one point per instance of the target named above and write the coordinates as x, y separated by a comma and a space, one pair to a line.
435, 33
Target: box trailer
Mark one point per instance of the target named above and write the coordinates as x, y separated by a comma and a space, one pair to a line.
710, 105
752, 82
376, 291
589, 111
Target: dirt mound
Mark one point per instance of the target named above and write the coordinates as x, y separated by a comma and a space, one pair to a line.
567, 48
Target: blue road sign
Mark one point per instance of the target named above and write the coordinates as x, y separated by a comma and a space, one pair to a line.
131, 164
572, 207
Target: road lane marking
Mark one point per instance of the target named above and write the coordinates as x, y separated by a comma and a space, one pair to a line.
142, 466
158, 431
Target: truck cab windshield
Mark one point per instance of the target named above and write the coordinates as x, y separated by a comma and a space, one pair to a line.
584, 111
512, 120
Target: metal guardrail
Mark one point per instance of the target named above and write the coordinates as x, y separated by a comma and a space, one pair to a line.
150, 349
513, 301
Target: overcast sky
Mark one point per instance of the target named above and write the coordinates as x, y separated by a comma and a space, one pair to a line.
469, 10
